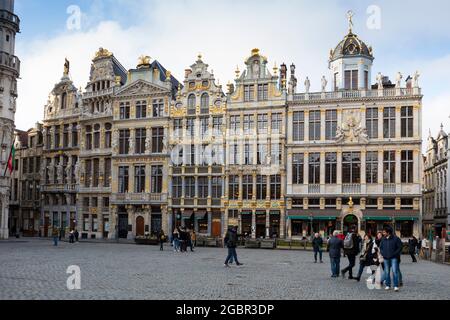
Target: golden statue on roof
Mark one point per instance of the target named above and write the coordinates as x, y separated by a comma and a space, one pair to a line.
102, 53
144, 60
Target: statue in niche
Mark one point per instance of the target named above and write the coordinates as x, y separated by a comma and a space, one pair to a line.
256, 69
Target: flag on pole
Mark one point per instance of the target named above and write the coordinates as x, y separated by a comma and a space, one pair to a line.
11, 161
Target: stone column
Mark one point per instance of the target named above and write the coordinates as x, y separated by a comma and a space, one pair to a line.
322, 125
306, 169
131, 221
380, 122
380, 167
306, 125
363, 167
398, 168
339, 168
267, 223
209, 223
398, 122
253, 224
322, 168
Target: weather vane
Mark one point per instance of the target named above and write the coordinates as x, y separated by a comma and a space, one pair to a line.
350, 16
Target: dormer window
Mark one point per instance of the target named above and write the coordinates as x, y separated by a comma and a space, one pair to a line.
351, 80
63, 100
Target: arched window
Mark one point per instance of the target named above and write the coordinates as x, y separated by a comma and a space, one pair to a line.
97, 136
204, 105
64, 100
191, 104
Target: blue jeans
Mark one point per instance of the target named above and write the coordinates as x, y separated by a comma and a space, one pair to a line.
55, 241
232, 255
388, 265
176, 244
317, 251
335, 266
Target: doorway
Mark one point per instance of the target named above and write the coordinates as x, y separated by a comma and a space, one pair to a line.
140, 226
261, 226
350, 222
123, 226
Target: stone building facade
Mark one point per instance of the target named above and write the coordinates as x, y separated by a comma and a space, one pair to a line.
354, 153
196, 141
25, 203
9, 73
435, 186
139, 150
59, 163
255, 143
96, 127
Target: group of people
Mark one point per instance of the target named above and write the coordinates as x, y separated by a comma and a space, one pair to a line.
382, 255
57, 234
183, 238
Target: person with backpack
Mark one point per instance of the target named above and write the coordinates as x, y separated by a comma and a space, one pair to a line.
391, 248
162, 239
317, 243
334, 247
351, 249
230, 241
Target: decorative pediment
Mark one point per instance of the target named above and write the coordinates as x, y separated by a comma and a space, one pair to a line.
352, 130
142, 88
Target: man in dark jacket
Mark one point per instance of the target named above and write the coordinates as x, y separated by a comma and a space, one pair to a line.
230, 241
412, 246
317, 246
335, 245
351, 253
391, 248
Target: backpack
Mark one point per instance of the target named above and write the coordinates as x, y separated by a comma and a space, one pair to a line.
348, 241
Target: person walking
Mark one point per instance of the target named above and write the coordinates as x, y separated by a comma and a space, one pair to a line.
76, 234
162, 239
391, 248
317, 243
176, 240
189, 240
412, 246
231, 240
194, 238
351, 249
334, 247
55, 235
71, 237
366, 258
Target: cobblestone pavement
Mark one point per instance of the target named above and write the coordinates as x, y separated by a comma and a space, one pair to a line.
34, 269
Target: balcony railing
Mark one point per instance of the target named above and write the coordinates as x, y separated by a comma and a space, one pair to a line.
351, 188
352, 94
99, 93
389, 188
314, 188
10, 17
140, 197
9, 61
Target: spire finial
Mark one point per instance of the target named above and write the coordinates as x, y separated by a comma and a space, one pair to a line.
350, 16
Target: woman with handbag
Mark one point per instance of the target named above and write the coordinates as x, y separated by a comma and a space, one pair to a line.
366, 258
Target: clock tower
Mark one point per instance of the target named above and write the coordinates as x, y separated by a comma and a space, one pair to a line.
9, 72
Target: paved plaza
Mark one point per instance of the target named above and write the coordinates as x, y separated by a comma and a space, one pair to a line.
34, 269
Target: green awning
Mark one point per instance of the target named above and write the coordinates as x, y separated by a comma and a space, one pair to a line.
298, 218
406, 219
246, 212
324, 218
378, 218
261, 212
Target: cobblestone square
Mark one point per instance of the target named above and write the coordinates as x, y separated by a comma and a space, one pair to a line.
34, 269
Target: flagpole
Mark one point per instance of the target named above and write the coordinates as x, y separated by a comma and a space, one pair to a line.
6, 168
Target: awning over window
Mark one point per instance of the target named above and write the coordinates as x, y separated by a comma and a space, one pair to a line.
187, 214
316, 214
391, 215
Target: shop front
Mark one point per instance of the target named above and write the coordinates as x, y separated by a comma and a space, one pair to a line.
404, 222
246, 223
305, 223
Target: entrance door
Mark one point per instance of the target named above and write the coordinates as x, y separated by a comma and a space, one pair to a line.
123, 226
46, 224
350, 222
140, 226
216, 228
260, 226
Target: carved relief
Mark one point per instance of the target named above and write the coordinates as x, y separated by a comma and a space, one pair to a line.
352, 130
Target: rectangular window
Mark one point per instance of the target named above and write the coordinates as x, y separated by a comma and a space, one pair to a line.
140, 137
330, 124
314, 126
124, 141
233, 187
157, 140
249, 93
235, 124
107, 178
203, 187
141, 109
249, 124
261, 187
407, 122
75, 135
366, 80
234, 154
96, 174
389, 167
275, 187
277, 122
139, 179
204, 127
263, 92
372, 167
247, 187
217, 125
123, 179
275, 154
189, 189
57, 137
314, 168
124, 110
298, 168
262, 123
351, 167
96, 139
407, 164
248, 153
177, 187
66, 135
389, 122
178, 127
351, 80
190, 127
216, 187
372, 122
298, 126
331, 168
157, 179
262, 153
158, 108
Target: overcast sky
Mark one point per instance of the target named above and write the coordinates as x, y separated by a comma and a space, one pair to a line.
413, 35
